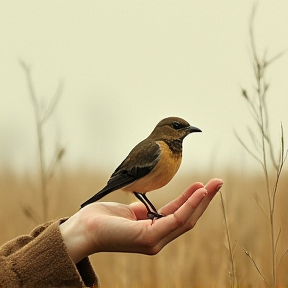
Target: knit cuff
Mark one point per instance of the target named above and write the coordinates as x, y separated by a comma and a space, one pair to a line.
45, 262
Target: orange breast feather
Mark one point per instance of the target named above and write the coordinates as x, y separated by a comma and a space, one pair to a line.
162, 173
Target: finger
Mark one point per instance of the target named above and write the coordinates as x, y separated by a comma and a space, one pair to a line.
212, 187
164, 226
176, 203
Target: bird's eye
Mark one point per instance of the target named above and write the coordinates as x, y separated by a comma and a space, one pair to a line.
176, 125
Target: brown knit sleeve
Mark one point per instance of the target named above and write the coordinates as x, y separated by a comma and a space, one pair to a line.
41, 260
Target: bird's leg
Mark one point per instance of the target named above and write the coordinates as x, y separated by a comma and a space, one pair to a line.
150, 214
139, 196
149, 202
155, 214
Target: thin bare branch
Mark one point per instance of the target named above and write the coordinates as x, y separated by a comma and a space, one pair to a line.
230, 248
53, 102
283, 255
32, 92
255, 141
58, 155
252, 39
253, 261
258, 201
277, 239
283, 157
258, 107
246, 148
274, 58
30, 213
40, 119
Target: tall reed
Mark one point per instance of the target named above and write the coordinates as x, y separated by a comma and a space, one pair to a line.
262, 148
46, 171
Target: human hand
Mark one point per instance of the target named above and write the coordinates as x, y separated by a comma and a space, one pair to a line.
115, 227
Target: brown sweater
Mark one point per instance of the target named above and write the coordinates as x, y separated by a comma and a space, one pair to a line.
41, 260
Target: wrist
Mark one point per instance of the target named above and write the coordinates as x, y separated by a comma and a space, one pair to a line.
73, 234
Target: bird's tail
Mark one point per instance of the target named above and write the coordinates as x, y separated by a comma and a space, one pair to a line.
97, 196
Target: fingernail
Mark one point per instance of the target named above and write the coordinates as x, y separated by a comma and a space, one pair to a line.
219, 187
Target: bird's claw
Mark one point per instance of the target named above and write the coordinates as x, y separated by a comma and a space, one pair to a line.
153, 215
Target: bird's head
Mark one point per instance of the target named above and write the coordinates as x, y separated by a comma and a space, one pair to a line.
173, 128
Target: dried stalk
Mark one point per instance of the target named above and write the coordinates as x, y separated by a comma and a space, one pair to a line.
265, 152
40, 120
233, 276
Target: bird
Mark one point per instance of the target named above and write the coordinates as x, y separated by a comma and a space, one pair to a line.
151, 164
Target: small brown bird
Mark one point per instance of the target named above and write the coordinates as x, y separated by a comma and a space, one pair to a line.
151, 164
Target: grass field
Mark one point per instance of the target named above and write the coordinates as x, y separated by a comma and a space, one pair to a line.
200, 258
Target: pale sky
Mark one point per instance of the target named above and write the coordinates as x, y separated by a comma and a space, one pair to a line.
126, 65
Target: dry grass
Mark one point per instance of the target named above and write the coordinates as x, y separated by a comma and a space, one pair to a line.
198, 259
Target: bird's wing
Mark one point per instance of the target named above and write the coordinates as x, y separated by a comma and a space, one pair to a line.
140, 161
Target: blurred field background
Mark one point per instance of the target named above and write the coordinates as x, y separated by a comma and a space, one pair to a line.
198, 259
102, 75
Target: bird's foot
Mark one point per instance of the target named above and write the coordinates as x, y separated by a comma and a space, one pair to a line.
153, 215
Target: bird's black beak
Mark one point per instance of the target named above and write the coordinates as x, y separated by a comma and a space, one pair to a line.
192, 129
